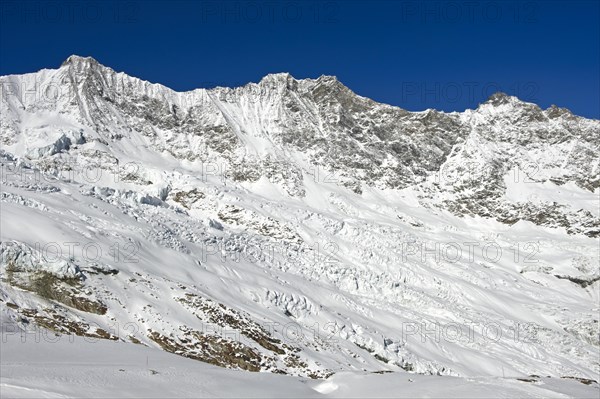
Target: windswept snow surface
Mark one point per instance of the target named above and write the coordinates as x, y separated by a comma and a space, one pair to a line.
87, 368
295, 230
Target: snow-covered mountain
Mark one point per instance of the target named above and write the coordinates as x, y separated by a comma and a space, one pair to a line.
295, 227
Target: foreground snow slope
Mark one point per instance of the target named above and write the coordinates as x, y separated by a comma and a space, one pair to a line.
104, 369
293, 227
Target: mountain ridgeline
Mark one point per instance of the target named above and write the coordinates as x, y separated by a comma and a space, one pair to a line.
280, 126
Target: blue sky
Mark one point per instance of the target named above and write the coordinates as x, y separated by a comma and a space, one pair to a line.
416, 55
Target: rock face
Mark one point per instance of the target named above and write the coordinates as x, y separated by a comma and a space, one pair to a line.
299, 203
281, 126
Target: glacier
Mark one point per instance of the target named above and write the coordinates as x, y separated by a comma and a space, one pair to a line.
294, 227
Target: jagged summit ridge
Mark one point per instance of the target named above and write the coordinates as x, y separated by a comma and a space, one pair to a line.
322, 122
81, 63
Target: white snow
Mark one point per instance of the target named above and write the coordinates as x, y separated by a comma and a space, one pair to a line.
381, 281
63, 367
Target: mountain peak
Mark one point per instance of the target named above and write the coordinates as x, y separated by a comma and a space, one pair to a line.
505, 104
328, 78
500, 98
555, 111
280, 79
278, 75
285, 77
79, 60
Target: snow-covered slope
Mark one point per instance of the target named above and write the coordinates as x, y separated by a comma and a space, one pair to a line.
293, 226
82, 369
